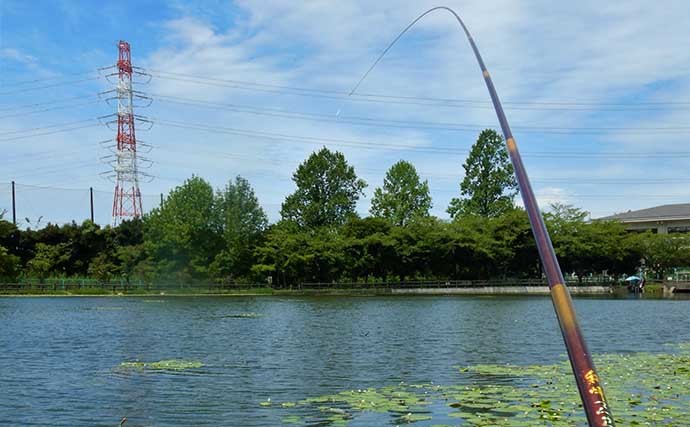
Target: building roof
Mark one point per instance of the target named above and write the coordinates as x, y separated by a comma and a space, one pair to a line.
677, 211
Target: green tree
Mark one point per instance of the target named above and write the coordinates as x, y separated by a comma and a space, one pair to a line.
515, 254
102, 268
327, 191
48, 259
469, 247
281, 256
9, 265
414, 245
85, 241
242, 221
183, 234
129, 232
570, 238
403, 196
489, 186
129, 257
369, 248
8, 233
589, 247
663, 252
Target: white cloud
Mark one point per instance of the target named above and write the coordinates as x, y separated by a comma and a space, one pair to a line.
13, 54
528, 47
536, 51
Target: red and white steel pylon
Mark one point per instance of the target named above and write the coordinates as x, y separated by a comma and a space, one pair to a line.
127, 198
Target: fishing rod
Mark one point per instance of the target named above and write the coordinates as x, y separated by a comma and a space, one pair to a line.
588, 382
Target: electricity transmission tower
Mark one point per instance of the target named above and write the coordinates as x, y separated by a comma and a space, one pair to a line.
125, 159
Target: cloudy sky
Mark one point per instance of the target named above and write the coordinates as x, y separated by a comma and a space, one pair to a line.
597, 93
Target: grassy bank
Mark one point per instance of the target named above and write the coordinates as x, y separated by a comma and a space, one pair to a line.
102, 291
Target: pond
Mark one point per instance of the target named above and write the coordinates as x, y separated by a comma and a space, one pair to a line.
322, 361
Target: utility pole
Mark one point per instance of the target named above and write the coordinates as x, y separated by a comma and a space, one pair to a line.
14, 207
91, 201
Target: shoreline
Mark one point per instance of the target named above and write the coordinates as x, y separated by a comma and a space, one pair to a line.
402, 292
514, 290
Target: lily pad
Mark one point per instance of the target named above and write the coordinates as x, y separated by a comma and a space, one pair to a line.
642, 389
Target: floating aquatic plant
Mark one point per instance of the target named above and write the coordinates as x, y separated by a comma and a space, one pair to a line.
644, 388
163, 365
242, 315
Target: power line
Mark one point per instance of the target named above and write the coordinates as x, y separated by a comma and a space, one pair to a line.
69, 126
49, 133
565, 195
378, 145
367, 121
60, 107
42, 104
416, 100
56, 125
164, 74
46, 79
71, 82
425, 174
59, 169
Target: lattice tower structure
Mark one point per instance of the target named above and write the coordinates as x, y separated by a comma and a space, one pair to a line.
127, 197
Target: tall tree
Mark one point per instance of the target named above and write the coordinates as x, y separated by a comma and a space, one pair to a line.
489, 186
242, 221
327, 191
184, 234
403, 196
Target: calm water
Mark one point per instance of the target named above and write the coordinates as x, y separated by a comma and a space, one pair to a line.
59, 356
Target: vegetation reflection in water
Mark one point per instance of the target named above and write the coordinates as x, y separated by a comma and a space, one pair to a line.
645, 389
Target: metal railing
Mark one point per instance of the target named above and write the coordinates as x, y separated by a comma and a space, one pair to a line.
95, 286
433, 284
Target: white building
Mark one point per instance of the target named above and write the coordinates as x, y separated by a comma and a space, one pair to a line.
659, 219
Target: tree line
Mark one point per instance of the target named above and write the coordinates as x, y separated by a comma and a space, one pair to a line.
202, 234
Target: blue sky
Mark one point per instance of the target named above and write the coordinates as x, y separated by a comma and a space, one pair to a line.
598, 96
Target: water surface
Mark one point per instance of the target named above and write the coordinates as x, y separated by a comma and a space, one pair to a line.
59, 357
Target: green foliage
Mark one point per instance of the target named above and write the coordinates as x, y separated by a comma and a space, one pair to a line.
242, 222
369, 249
184, 234
403, 196
327, 191
48, 259
102, 268
514, 253
280, 256
130, 258
8, 233
663, 252
583, 247
9, 262
9, 265
489, 186
202, 235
